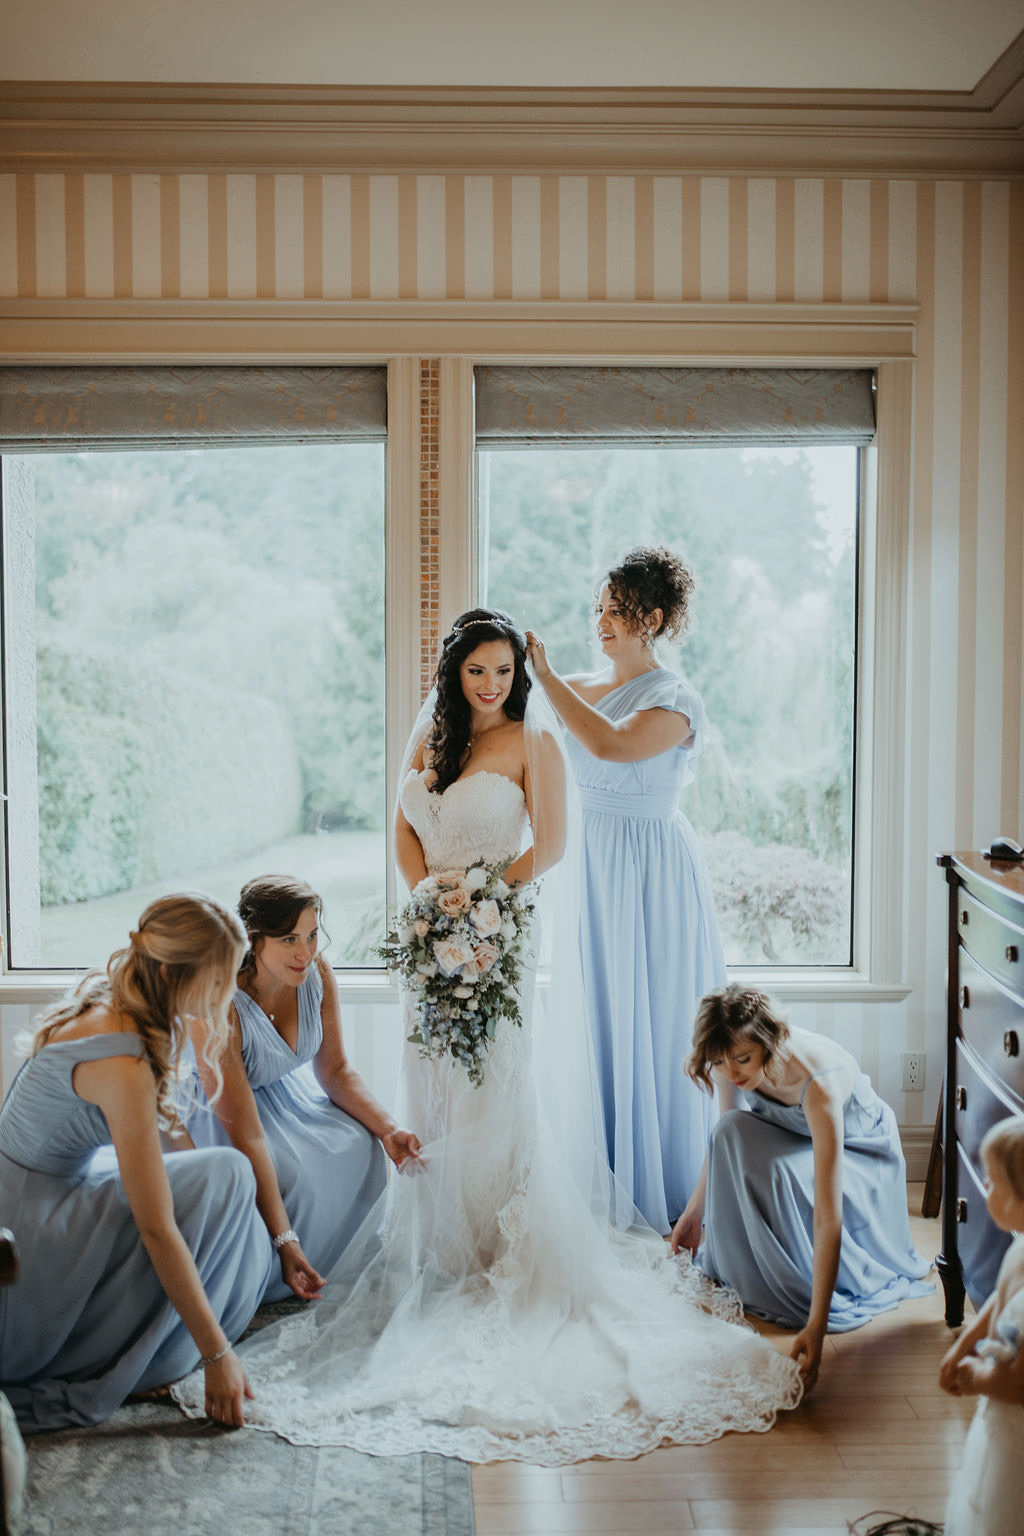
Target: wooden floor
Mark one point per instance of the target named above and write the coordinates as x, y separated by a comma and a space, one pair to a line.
876, 1434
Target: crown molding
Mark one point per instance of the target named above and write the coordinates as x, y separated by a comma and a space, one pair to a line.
79, 126
66, 331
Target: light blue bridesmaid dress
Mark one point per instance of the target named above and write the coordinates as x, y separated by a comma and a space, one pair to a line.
330, 1169
650, 950
87, 1322
759, 1214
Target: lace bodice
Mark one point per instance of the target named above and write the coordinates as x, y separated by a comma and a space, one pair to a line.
479, 817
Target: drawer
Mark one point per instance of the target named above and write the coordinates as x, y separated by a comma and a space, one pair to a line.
990, 939
992, 1022
981, 1102
980, 1243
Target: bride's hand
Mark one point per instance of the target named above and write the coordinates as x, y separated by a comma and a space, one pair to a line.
403, 1148
537, 655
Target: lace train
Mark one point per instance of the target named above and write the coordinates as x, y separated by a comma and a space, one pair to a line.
488, 1309
493, 1318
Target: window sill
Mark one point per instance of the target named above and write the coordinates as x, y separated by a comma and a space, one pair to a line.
41, 987
818, 984
788, 985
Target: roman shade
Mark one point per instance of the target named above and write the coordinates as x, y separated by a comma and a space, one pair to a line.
590, 407
46, 408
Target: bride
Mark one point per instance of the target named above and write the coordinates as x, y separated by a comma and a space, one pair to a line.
506, 1302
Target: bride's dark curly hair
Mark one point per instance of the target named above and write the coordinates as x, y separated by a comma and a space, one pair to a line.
449, 729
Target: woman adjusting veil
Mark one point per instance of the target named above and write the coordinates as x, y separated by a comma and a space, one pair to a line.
493, 1307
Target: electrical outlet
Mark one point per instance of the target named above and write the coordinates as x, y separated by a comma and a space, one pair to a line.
912, 1071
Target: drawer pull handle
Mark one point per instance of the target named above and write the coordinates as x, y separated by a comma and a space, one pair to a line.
961, 1098
1011, 953
965, 998
1011, 1043
964, 915
961, 1210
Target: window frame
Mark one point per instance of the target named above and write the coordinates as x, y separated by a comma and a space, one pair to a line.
464, 334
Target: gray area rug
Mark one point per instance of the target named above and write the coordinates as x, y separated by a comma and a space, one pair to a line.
148, 1471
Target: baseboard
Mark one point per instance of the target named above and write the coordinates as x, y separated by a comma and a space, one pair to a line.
917, 1146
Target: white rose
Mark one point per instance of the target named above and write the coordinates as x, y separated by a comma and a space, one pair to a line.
500, 888
407, 932
476, 879
462, 991
486, 918
452, 954
426, 968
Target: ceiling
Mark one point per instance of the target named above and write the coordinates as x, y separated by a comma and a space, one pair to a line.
822, 45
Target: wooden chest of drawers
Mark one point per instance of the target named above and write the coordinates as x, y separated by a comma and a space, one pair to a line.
984, 1061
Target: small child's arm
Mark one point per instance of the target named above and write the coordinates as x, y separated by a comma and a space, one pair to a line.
963, 1346
997, 1368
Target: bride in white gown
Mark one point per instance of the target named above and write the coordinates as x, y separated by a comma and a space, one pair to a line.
493, 1308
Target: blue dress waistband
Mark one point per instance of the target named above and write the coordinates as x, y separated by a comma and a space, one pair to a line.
610, 802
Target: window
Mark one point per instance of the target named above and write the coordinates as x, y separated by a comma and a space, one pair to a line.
194, 684
771, 529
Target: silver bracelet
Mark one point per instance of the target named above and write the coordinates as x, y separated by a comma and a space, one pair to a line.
285, 1237
212, 1359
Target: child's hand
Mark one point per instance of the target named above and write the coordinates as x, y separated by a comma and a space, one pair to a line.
948, 1371
964, 1378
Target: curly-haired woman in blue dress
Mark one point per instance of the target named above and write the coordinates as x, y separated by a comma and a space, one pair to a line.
649, 936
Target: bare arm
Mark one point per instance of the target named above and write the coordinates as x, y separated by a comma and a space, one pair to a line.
124, 1090
643, 734
236, 1110
408, 849
824, 1112
345, 1087
544, 789
963, 1345
687, 1230
999, 1379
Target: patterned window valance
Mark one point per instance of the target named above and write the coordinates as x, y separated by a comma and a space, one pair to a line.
517, 407
89, 408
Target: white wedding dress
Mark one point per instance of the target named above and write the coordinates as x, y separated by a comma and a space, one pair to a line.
485, 1312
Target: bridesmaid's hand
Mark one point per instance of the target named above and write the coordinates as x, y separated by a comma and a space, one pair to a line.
403, 1148
806, 1350
298, 1273
686, 1234
537, 655
227, 1387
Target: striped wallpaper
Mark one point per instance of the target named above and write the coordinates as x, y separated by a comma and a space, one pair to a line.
954, 247
617, 238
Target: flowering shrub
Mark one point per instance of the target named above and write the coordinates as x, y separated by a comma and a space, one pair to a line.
458, 946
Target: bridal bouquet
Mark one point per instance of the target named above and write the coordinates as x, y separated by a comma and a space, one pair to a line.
458, 945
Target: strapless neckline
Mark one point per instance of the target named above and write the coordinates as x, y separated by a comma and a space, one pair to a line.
466, 778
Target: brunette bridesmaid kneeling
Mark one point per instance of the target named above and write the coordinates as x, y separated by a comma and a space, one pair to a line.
292, 1101
803, 1198
135, 1272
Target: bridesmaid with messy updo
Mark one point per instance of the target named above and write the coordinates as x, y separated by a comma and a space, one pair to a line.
648, 933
